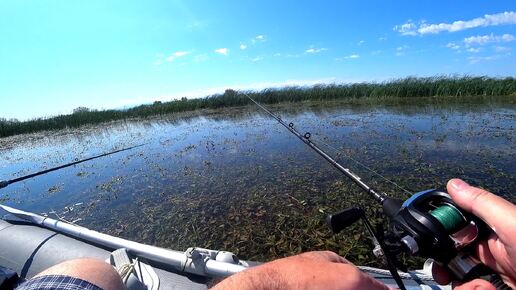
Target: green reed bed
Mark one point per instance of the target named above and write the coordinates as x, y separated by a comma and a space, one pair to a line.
399, 89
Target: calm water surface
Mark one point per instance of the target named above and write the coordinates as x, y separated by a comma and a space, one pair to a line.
237, 180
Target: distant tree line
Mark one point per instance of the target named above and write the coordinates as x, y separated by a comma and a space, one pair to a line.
411, 87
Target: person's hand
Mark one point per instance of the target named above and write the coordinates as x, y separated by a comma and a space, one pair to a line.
498, 252
312, 270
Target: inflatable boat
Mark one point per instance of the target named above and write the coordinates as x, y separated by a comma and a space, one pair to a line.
30, 243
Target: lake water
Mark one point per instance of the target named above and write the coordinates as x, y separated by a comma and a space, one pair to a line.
239, 181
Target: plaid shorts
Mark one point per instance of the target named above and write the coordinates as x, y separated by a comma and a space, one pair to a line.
57, 282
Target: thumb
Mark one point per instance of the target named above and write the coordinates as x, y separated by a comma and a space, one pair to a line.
477, 284
497, 212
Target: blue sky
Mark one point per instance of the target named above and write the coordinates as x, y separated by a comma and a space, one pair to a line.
58, 55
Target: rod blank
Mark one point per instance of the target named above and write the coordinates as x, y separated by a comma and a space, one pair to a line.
378, 196
6, 183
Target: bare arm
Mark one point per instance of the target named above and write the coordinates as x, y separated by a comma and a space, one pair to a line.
312, 270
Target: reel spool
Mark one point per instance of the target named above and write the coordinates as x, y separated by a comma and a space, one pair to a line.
449, 217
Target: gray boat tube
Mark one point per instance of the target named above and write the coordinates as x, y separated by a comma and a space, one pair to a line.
204, 262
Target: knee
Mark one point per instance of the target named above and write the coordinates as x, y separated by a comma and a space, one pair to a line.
92, 270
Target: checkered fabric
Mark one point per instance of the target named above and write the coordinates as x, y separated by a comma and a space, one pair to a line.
57, 282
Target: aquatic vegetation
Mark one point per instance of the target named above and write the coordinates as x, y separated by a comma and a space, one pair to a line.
390, 91
234, 180
55, 188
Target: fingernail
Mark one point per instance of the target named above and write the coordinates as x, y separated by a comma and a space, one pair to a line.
459, 184
480, 287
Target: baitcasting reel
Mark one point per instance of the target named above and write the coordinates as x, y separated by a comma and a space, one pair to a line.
430, 225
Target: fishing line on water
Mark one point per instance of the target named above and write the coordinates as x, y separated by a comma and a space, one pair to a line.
306, 138
341, 153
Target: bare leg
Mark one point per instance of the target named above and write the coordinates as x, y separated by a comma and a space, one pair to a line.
94, 271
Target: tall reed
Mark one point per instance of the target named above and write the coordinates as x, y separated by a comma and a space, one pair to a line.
410, 87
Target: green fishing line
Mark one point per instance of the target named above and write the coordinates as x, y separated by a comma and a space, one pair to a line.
448, 216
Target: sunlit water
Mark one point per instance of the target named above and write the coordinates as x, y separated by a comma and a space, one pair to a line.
237, 180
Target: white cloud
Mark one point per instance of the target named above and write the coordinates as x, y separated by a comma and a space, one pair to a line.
196, 25
351, 56
383, 38
243, 46
360, 42
484, 39
159, 59
259, 38
315, 50
423, 28
158, 62
453, 45
255, 59
201, 57
477, 59
473, 50
502, 48
376, 52
277, 54
176, 55
478, 39
400, 50
223, 51
408, 28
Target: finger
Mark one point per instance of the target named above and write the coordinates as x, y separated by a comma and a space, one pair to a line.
441, 276
483, 251
370, 283
477, 284
497, 212
324, 256
356, 279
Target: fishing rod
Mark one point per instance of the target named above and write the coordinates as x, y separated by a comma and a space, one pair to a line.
427, 224
378, 196
6, 183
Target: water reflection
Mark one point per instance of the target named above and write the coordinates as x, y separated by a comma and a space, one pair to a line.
236, 180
